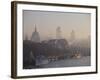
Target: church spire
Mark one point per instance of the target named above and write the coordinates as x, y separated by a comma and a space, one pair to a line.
35, 28
58, 33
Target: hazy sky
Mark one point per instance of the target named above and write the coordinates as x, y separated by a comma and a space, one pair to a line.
47, 22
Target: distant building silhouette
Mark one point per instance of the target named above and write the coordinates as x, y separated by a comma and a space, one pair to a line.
35, 36
72, 36
58, 33
59, 43
26, 37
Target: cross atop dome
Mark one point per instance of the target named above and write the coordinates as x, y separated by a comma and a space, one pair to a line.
35, 28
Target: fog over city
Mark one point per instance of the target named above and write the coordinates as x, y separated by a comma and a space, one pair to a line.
56, 39
47, 22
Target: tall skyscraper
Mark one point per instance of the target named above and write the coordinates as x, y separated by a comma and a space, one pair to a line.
58, 33
35, 36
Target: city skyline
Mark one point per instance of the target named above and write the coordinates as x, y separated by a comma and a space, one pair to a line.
46, 26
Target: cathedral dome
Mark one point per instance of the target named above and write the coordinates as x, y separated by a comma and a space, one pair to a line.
35, 36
